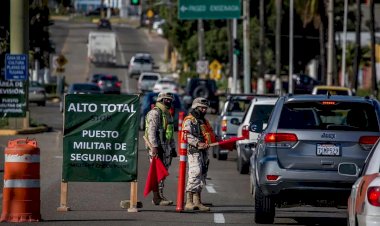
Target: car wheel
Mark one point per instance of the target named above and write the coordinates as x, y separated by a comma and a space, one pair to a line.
201, 91
242, 166
264, 207
214, 151
221, 156
142, 123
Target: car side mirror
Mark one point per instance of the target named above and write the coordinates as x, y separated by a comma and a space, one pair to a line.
256, 126
235, 121
348, 169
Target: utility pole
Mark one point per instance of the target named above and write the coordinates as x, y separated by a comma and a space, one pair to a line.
343, 77
260, 80
330, 56
291, 13
234, 58
247, 56
278, 38
19, 40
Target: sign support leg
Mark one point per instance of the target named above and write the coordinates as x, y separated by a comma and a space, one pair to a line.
133, 197
63, 203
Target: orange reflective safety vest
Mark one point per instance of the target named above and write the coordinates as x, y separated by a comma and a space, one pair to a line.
206, 129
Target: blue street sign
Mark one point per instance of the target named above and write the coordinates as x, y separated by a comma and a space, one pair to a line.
16, 66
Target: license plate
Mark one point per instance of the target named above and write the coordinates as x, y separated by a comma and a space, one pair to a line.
328, 150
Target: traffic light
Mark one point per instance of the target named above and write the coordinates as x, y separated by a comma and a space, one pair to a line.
135, 2
237, 48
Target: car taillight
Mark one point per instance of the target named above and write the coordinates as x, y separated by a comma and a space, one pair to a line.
367, 142
118, 84
373, 195
281, 139
272, 177
224, 125
245, 132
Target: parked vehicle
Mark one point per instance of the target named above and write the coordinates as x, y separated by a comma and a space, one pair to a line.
166, 85
109, 84
197, 87
140, 62
296, 158
149, 100
260, 108
333, 90
147, 80
102, 47
37, 94
364, 203
226, 124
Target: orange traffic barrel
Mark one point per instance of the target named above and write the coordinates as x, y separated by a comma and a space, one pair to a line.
21, 192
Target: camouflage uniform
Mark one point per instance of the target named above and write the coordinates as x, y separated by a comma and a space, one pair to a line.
199, 135
158, 121
154, 127
197, 159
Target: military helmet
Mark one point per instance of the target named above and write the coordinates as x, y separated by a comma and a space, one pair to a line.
164, 95
200, 102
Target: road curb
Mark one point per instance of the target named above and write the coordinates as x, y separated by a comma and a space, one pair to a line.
31, 130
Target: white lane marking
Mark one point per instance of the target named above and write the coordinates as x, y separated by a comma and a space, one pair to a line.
210, 189
219, 218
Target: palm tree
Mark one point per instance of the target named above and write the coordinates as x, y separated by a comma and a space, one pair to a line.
314, 11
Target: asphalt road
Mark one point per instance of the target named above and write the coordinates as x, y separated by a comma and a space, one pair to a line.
98, 203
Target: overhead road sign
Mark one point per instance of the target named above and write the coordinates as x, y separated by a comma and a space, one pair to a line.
209, 9
16, 67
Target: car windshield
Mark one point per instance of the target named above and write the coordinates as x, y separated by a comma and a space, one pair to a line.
238, 105
142, 60
109, 78
261, 112
83, 87
329, 115
150, 77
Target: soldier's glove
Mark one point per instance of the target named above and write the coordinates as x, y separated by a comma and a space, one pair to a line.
202, 145
154, 151
173, 153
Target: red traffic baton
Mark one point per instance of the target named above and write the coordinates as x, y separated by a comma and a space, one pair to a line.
182, 172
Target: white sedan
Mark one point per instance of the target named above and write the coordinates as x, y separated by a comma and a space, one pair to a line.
166, 85
364, 201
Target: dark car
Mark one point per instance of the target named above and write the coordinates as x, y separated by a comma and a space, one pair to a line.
149, 100
109, 84
302, 84
197, 87
80, 88
295, 161
104, 24
83, 88
95, 78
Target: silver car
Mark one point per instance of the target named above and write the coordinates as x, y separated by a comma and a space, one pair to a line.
296, 158
37, 94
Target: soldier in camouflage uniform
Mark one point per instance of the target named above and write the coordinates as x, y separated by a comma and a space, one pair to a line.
159, 131
199, 135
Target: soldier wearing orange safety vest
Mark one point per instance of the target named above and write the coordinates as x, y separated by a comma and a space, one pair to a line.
199, 135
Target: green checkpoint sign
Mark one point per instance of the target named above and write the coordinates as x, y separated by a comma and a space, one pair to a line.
100, 138
209, 9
